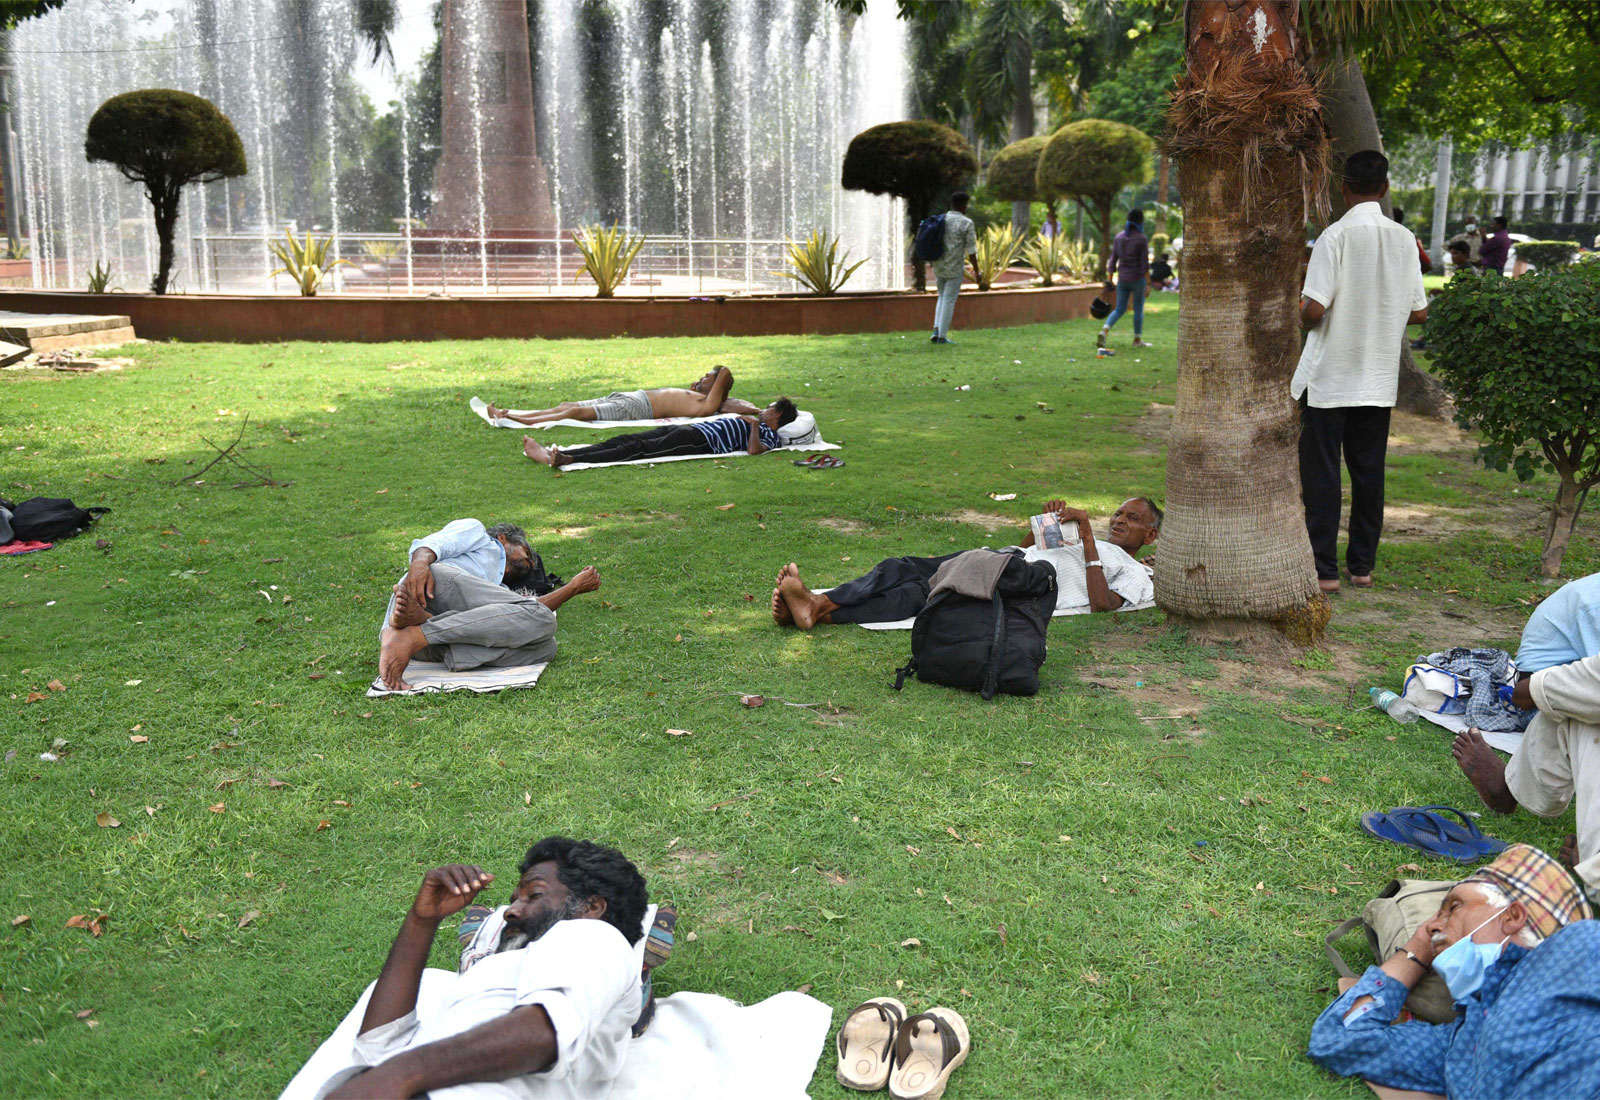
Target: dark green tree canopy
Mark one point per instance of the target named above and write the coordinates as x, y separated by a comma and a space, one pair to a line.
1094, 159
164, 136
912, 160
13, 12
1014, 171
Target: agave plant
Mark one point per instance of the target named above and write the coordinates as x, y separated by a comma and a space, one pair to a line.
1079, 259
306, 263
100, 278
381, 250
996, 249
1047, 256
15, 249
607, 255
817, 264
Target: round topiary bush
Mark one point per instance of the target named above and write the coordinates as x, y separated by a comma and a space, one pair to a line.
1545, 255
915, 161
166, 140
1092, 161
1014, 171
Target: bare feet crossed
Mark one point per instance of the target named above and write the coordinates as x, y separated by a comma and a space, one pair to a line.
1478, 761
395, 650
408, 610
806, 608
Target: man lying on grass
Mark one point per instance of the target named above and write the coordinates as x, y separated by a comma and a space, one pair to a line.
1558, 762
706, 397
1514, 944
1097, 576
456, 604
721, 436
546, 1014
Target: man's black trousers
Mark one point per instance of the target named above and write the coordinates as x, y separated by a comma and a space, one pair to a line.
1361, 432
674, 439
895, 589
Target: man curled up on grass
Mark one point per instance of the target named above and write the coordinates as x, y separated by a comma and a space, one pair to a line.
1090, 575
706, 397
545, 1014
1515, 946
722, 436
457, 603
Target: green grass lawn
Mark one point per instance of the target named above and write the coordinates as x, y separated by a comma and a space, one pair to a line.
1122, 883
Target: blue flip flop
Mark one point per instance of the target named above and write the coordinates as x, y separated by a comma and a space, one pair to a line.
1427, 832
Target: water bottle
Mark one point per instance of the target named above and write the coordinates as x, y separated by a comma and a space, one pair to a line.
1394, 706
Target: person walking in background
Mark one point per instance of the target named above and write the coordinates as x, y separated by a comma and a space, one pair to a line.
1496, 248
1362, 289
1129, 264
960, 245
1470, 236
1051, 227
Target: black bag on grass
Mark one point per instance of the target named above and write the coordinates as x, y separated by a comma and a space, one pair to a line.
47, 519
988, 646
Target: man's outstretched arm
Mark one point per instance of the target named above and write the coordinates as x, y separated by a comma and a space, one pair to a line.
444, 890
520, 1042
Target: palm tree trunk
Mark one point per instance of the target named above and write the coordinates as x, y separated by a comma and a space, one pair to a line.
1353, 125
1246, 133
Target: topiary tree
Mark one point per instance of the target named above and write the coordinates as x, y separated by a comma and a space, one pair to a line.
1545, 255
1520, 357
1092, 161
914, 161
1014, 175
165, 140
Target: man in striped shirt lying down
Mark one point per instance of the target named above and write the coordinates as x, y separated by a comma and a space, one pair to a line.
721, 436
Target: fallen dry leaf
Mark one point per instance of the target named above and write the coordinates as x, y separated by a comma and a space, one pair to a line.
340, 802
1002, 931
691, 937
77, 920
20, 918
680, 733
137, 738
1214, 913
106, 821
752, 700
219, 808
56, 685
132, 683
92, 1023
151, 810
913, 851
1323, 779
527, 798
899, 984
806, 988
248, 917
723, 507
1409, 867
912, 942
274, 784
323, 824
34, 697
84, 1014
952, 832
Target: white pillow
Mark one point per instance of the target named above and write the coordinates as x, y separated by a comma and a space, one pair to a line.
802, 429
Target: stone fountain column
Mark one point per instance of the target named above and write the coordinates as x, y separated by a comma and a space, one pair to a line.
516, 191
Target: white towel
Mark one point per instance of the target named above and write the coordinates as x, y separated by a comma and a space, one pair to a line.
814, 445
703, 1047
429, 678
1508, 742
905, 624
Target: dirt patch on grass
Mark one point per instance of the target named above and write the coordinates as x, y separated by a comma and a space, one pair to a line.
1152, 429
1430, 522
681, 859
570, 532
1410, 434
987, 520
845, 526
1433, 621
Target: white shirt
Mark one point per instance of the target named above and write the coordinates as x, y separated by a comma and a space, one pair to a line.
960, 241
1124, 575
584, 974
1364, 271
466, 544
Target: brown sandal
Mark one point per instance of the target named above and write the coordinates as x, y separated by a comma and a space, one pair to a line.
865, 1041
927, 1051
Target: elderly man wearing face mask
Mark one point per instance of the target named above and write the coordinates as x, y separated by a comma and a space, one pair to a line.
1514, 944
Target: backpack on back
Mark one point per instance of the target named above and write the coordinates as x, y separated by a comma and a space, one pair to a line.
929, 244
47, 519
986, 645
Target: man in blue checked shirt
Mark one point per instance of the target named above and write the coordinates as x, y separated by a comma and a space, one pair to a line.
1514, 943
721, 436
457, 604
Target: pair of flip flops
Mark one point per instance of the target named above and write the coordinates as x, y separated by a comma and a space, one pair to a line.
913, 1056
819, 462
1429, 832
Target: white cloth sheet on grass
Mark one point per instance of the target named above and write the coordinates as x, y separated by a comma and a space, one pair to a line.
814, 445
430, 678
906, 624
1455, 723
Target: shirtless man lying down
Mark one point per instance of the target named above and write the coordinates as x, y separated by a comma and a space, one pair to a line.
707, 397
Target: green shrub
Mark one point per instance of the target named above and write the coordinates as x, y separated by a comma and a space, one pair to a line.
1522, 359
307, 264
165, 140
1091, 161
996, 249
1160, 243
915, 161
1014, 171
817, 264
100, 278
607, 255
1545, 255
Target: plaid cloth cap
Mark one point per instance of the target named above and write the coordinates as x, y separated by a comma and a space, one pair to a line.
1553, 899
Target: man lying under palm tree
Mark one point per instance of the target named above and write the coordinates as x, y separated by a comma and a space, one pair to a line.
706, 397
1099, 576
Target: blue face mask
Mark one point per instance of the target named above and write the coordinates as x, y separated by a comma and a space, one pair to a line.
1463, 963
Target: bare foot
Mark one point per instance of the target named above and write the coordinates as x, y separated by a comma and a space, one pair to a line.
495, 412
790, 570
805, 606
1486, 770
586, 581
407, 611
1569, 852
780, 610
395, 650
537, 451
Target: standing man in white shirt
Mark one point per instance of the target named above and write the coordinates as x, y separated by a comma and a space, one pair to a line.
1363, 287
960, 245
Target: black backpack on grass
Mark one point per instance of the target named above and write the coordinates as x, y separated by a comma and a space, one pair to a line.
988, 646
49, 519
